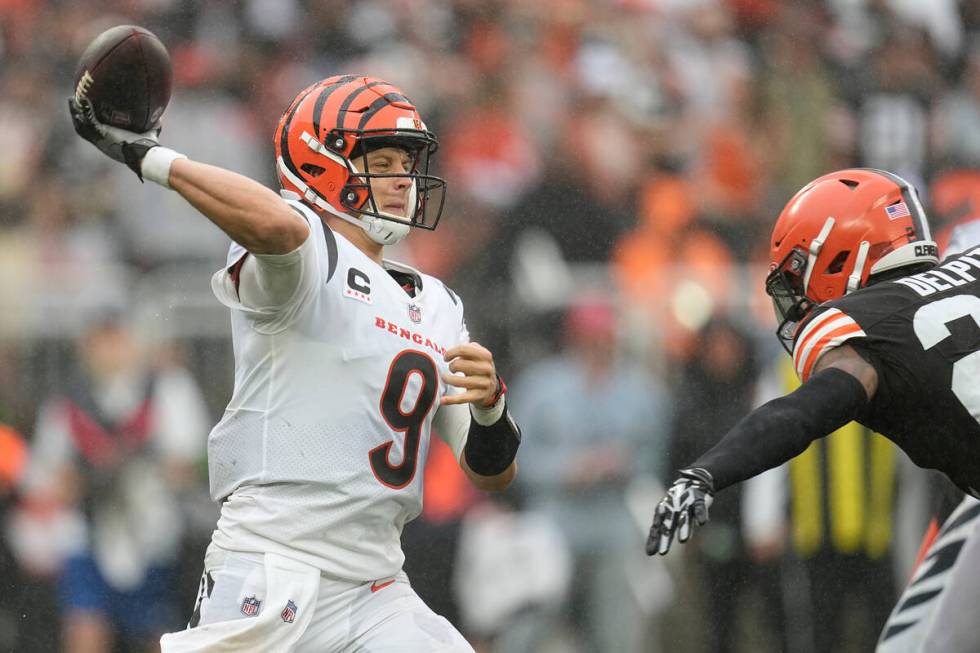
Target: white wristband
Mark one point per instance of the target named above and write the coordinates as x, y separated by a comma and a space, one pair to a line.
156, 165
487, 416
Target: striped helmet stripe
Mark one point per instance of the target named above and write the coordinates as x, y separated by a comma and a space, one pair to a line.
379, 104
284, 136
325, 92
350, 100
322, 100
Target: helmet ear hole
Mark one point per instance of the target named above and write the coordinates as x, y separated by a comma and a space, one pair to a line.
838, 263
312, 170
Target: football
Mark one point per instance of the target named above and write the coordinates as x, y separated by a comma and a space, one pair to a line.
126, 74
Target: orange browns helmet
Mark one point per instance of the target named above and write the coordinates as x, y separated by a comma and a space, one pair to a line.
837, 233
332, 123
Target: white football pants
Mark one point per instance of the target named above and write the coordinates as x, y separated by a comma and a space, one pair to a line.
269, 603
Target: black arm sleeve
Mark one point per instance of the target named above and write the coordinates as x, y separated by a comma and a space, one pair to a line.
783, 428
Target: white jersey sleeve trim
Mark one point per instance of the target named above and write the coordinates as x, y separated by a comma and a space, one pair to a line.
828, 330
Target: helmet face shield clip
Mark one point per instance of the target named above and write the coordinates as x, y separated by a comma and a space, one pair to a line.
335, 141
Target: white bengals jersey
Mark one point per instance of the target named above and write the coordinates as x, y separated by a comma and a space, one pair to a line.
320, 452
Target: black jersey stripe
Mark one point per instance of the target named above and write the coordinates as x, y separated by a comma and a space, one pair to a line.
898, 629
329, 239
968, 514
332, 257
919, 599
942, 560
452, 295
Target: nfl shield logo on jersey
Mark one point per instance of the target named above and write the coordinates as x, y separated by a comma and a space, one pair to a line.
415, 313
288, 613
250, 606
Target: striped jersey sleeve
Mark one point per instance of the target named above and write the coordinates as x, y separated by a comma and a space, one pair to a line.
828, 330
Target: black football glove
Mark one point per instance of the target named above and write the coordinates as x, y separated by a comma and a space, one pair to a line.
686, 503
118, 144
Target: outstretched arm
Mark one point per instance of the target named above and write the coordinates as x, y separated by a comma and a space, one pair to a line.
785, 427
251, 214
835, 394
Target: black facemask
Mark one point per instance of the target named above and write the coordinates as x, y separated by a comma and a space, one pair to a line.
785, 286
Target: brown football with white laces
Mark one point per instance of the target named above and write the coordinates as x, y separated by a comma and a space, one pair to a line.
125, 73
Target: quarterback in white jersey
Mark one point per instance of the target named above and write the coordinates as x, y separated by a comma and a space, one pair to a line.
320, 463
345, 364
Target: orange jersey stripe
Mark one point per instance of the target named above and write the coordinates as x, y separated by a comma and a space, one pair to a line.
812, 329
826, 343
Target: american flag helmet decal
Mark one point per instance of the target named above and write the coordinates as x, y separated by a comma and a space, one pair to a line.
897, 210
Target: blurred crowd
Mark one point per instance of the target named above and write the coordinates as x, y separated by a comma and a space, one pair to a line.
614, 168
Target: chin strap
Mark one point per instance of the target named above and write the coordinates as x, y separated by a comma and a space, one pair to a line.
381, 231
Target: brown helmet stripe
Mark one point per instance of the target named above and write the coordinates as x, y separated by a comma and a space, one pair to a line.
350, 100
284, 135
380, 104
322, 100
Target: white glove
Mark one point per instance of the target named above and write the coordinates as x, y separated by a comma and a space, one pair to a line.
686, 503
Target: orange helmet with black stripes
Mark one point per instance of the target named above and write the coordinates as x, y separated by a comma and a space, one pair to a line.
836, 234
329, 126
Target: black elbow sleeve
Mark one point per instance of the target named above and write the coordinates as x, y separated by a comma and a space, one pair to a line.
785, 427
491, 449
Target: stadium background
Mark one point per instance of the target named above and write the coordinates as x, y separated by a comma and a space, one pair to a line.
634, 152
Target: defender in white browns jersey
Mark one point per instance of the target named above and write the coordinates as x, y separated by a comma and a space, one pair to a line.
345, 364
